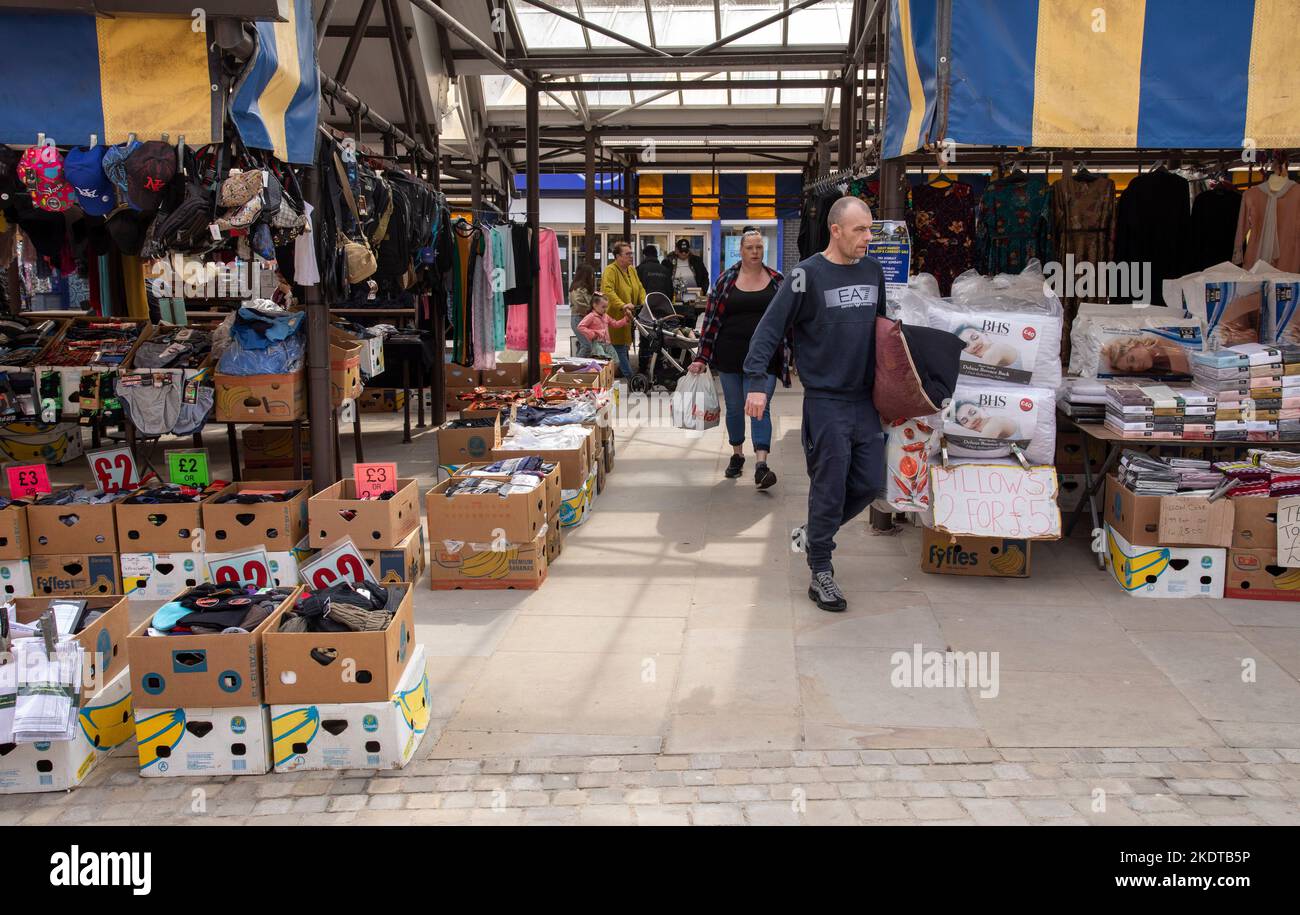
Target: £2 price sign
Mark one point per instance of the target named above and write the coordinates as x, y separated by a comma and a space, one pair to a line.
372, 480
27, 480
113, 469
338, 562
188, 468
250, 567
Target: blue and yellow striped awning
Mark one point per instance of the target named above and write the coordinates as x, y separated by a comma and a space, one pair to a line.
276, 102
70, 76
760, 195
1182, 74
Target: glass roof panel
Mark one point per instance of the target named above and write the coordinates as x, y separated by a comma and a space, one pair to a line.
546, 31
802, 96
684, 23
627, 17
737, 14
825, 23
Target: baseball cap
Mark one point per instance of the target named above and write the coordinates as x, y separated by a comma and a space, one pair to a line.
115, 166
683, 244
149, 169
84, 169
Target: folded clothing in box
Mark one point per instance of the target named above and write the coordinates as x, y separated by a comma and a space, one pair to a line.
217, 608
344, 607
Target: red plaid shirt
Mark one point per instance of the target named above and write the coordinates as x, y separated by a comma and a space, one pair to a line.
716, 309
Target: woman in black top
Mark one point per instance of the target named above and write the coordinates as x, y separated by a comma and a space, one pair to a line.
735, 306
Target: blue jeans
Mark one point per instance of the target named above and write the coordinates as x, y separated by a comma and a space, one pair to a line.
584, 348
734, 389
623, 365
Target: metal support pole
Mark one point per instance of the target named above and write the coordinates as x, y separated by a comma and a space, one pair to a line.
891, 189
534, 237
589, 240
319, 405
476, 189
845, 138
354, 41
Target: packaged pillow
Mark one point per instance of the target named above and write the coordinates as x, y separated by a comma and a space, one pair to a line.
907, 458
1281, 294
1229, 303
985, 420
1109, 341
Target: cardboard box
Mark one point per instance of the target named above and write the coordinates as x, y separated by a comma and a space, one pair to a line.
460, 376
76, 574
990, 557
575, 463
1165, 571
166, 528
230, 526
1135, 518
14, 542
1255, 575
554, 488
1069, 453
104, 640
59, 765
59, 529
336, 512
578, 381
16, 578
458, 446
381, 400
272, 446
456, 398
52, 443
505, 375
1070, 491
203, 741
222, 670
575, 504
476, 566
1254, 523
355, 735
345, 366
600, 475
554, 539
516, 518
404, 562
363, 666
260, 398
161, 576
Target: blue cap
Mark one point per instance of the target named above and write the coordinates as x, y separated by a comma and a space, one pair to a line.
115, 168
83, 168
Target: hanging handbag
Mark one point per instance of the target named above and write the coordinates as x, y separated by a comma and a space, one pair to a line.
358, 257
240, 187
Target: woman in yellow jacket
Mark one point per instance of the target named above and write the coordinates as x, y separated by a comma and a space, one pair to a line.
623, 288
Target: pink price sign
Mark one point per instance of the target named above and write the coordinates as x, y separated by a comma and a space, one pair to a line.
27, 480
373, 480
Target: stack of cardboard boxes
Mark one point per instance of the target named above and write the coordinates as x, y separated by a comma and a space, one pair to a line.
460, 381
386, 532
280, 528
74, 548
163, 548
104, 716
1253, 569
15, 552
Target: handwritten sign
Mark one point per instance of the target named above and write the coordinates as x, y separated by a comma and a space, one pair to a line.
1288, 532
1195, 521
338, 562
373, 480
996, 500
27, 480
189, 468
249, 567
113, 469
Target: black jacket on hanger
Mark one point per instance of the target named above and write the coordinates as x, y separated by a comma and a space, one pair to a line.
1214, 225
1153, 222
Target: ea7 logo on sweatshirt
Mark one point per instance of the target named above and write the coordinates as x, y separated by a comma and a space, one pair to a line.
103, 868
851, 296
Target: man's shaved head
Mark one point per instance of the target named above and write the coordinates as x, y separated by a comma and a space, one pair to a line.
845, 209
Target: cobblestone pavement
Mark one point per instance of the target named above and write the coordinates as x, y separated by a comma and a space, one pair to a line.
1113, 786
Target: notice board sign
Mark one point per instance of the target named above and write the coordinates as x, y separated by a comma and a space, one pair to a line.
996, 500
891, 246
1195, 521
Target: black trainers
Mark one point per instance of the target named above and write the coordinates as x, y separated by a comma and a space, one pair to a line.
735, 467
826, 594
764, 478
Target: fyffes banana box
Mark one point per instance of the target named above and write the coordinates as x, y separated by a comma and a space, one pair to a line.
959, 554
455, 565
103, 725
355, 735
16, 578
203, 741
161, 576
1256, 575
1165, 571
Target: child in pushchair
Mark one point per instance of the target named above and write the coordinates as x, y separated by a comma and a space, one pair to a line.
667, 345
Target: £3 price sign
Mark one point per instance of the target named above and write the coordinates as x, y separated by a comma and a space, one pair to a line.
373, 480
250, 567
113, 469
27, 480
338, 562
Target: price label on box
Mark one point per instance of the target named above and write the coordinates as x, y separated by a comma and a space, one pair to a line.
27, 480
113, 469
189, 468
372, 480
250, 567
340, 562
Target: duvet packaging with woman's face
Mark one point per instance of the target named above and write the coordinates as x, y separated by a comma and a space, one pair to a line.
1152, 341
1227, 300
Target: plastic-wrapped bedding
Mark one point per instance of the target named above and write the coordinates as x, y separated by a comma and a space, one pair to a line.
1011, 329
1227, 300
1110, 341
1281, 296
984, 420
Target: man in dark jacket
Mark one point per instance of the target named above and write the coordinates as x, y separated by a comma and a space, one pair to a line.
654, 277
684, 259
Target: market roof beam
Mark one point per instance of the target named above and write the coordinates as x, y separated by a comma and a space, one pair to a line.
354, 41
686, 85
749, 29
619, 62
467, 35
588, 24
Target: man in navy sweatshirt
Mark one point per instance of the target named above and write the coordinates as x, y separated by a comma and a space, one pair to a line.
830, 301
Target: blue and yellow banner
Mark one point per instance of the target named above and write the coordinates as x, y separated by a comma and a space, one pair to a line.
70, 76
277, 97
1123, 74
727, 195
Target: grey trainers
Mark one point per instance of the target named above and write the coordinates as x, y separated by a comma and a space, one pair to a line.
826, 594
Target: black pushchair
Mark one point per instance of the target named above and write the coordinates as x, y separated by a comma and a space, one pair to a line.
667, 345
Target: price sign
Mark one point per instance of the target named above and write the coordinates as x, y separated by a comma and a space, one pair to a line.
113, 469
27, 480
188, 468
250, 567
339, 562
373, 479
